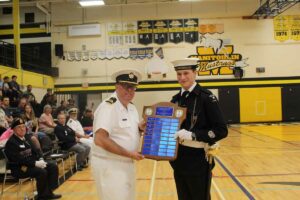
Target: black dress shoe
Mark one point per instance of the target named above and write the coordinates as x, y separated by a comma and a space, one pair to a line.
54, 196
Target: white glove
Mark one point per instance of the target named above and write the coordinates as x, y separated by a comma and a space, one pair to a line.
41, 164
183, 135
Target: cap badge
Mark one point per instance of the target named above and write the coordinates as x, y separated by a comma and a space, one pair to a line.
131, 75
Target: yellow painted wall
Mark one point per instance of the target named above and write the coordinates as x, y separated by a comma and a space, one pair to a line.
26, 77
260, 104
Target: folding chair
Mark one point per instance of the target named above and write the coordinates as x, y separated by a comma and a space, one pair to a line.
59, 157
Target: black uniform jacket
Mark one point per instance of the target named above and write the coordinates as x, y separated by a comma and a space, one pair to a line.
209, 126
20, 154
65, 135
207, 115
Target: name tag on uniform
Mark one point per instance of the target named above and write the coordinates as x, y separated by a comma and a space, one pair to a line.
124, 120
22, 146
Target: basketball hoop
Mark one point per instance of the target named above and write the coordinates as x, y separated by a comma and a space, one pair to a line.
156, 76
156, 69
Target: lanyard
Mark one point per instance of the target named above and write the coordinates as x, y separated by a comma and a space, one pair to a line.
193, 116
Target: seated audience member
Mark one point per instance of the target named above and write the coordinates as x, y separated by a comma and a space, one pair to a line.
14, 85
32, 100
61, 109
32, 126
46, 122
53, 101
26, 162
16, 92
46, 97
31, 121
71, 104
6, 91
3, 122
1, 85
21, 107
6, 108
70, 142
87, 121
75, 125
29, 95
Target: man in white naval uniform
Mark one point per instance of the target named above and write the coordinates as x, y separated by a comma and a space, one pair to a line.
116, 140
75, 125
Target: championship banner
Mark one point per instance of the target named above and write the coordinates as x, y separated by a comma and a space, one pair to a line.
101, 54
109, 54
281, 28
211, 28
78, 55
129, 33
145, 32
191, 34
117, 53
125, 53
114, 32
141, 53
160, 31
176, 31
70, 55
295, 27
85, 55
93, 55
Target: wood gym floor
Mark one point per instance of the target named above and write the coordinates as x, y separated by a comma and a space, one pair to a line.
259, 161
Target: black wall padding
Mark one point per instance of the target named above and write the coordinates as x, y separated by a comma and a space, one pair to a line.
290, 103
230, 104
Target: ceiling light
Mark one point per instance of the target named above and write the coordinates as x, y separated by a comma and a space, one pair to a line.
4, 0
86, 3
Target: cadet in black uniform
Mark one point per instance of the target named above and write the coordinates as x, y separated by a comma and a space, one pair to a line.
204, 125
25, 162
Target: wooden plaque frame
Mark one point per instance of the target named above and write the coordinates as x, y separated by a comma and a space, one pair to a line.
150, 111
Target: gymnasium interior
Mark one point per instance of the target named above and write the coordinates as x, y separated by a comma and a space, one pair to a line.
247, 51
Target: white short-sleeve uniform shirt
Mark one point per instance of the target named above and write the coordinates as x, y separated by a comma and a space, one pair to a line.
121, 125
76, 126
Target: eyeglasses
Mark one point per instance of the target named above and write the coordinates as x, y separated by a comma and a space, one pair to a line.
127, 86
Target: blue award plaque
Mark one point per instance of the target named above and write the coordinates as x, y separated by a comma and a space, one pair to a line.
163, 120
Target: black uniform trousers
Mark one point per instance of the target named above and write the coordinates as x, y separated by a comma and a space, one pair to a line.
46, 179
191, 174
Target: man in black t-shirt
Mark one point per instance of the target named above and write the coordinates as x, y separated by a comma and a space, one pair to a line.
87, 121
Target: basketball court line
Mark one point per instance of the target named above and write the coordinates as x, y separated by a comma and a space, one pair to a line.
220, 194
268, 136
258, 175
240, 132
235, 179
